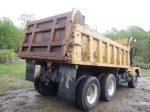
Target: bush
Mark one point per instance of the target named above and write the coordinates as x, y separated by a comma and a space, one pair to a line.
6, 56
143, 65
138, 61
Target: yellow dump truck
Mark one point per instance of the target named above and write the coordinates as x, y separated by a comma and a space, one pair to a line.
76, 63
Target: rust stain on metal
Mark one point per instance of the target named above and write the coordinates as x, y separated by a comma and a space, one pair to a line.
83, 55
78, 55
76, 44
94, 55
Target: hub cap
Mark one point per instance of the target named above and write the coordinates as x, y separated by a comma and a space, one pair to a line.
111, 87
92, 93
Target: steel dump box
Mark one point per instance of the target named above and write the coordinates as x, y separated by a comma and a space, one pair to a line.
63, 38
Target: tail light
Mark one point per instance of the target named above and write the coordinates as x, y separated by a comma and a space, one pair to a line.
50, 69
73, 34
43, 67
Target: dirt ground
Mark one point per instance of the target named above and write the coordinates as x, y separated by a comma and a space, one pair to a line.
125, 100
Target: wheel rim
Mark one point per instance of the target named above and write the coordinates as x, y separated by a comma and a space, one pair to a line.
111, 87
92, 93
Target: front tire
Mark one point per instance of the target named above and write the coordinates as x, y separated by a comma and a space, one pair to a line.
133, 83
88, 92
108, 87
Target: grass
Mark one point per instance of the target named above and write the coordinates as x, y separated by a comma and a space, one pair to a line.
139, 108
12, 76
145, 70
21, 103
2, 94
14, 69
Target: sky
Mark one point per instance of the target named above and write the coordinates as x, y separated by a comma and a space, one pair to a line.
103, 13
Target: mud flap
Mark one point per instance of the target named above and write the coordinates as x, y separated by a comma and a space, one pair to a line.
67, 81
30, 70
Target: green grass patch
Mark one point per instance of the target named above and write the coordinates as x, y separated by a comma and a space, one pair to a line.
13, 68
21, 103
1, 105
2, 94
144, 70
12, 76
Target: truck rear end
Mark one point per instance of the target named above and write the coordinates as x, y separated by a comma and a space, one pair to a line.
76, 63
48, 38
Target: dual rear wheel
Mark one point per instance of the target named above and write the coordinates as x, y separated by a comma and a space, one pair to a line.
89, 90
45, 88
108, 87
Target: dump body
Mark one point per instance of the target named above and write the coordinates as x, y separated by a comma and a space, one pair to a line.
63, 38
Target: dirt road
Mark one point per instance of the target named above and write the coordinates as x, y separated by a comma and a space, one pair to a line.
126, 100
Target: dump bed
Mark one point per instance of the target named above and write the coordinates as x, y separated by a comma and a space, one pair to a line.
63, 38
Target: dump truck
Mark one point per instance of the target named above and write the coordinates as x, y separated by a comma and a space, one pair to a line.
76, 63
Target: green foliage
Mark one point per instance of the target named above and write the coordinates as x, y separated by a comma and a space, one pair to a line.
137, 60
122, 34
137, 32
143, 65
111, 33
142, 41
6, 56
10, 35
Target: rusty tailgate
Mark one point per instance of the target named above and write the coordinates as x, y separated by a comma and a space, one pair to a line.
46, 38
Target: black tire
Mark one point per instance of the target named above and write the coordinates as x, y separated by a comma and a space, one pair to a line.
79, 78
82, 93
107, 92
50, 89
133, 83
36, 84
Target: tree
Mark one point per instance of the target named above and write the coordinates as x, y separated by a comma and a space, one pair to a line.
149, 46
111, 33
10, 35
24, 18
148, 32
122, 34
142, 41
